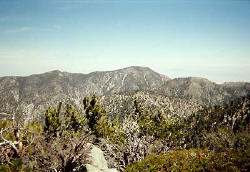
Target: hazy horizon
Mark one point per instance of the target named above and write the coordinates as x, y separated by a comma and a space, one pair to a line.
208, 39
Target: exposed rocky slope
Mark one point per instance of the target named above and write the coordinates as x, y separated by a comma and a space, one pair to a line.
118, 105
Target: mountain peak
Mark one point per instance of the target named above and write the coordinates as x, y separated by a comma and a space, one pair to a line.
198, 79
55, 71
138, 68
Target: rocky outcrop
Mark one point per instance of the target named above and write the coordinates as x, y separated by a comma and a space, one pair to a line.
97, 162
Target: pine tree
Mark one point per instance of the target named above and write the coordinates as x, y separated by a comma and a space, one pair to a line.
53, 121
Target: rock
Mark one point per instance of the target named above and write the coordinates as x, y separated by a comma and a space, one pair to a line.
97, 162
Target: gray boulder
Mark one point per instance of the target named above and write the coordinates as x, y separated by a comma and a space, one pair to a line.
97, 161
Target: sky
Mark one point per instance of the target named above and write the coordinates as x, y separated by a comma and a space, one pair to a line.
178, 38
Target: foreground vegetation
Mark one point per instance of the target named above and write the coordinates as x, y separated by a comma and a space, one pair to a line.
194, 160
213, 139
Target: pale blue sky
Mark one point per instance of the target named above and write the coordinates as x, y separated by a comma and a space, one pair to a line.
178, 38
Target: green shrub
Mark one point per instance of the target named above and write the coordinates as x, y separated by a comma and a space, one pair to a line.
193, 160
157, 125
34, 127
73, 120
53, 121
4, 168
99, 123
8, 130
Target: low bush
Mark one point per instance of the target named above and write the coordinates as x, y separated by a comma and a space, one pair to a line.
194, 160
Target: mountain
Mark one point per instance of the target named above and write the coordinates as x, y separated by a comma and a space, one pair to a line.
203, 90
31, 95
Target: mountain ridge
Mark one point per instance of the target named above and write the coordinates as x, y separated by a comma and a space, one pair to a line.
203, 90
31, 95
